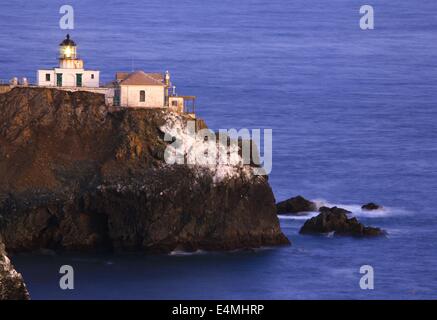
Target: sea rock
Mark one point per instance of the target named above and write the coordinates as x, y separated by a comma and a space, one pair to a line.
371, 206
336, 220
78, 175
334, 210
295, 205
12, 286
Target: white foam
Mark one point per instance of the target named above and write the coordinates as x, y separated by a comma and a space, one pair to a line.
330, 234
307, 215
186, 253
355, 210
358, 212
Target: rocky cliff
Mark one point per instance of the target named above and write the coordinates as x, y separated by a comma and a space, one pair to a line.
12, 286
78, 176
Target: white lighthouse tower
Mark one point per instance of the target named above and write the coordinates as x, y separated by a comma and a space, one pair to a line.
71, 72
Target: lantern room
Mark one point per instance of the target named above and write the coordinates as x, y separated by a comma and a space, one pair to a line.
68, 55
68, 49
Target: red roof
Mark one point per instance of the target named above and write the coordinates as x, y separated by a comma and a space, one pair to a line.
140, 78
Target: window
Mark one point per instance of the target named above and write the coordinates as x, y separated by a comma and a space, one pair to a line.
142, 96
47, 76
174, 103
92, 76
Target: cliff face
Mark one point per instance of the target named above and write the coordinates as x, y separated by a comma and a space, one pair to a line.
76, 176
12, 286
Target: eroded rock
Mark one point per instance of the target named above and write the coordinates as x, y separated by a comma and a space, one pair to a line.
78, 176
371, 206
335, 220
336, 210
295, 205
12, 286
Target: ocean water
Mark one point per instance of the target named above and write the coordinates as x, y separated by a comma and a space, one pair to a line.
353, 115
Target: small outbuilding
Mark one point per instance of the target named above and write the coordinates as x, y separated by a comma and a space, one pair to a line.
140, 89
149, 90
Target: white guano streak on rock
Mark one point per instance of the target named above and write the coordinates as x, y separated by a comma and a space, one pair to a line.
176, 126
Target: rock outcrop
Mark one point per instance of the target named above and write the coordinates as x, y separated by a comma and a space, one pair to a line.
296, 205
371, 206
12, 286
335, 220
78, 176
335, 210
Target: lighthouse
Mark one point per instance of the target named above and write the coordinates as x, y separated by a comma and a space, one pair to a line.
70, 72
68, 55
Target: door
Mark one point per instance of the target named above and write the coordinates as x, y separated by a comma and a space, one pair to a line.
59, 79
117, 97
79, 80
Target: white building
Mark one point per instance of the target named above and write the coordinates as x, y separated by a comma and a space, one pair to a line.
71, 72
140, 89
130, 89
149, 90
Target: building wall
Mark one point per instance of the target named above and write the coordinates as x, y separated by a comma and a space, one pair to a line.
70, 64
130, 96
41, 78
89, 81
69, 77
176, 103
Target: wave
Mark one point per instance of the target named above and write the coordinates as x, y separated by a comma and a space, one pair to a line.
306, 216
354, 208
358, 212
186, 253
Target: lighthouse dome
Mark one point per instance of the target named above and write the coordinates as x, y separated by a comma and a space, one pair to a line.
68, 42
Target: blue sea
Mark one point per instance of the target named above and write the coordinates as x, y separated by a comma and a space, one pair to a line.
354, 119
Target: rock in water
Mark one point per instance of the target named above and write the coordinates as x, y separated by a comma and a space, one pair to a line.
371, 206
295, 205
336, 220
78, 176
12, 286
334, 210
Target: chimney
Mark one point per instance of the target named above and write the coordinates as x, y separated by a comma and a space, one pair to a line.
167, 78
